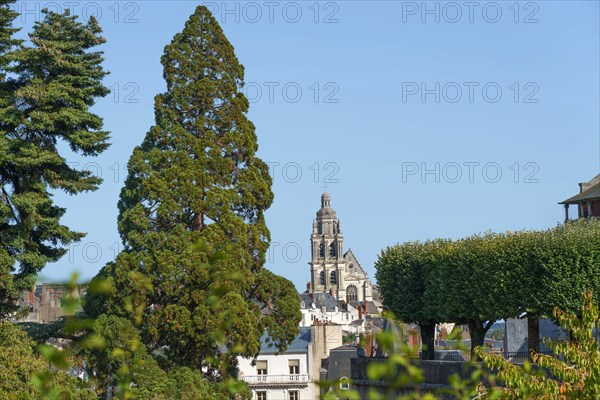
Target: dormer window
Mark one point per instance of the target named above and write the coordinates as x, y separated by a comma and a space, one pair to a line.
303, 305
344, 383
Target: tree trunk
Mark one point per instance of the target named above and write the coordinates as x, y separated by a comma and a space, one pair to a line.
477, 330
427, 340
533, 334
477, 338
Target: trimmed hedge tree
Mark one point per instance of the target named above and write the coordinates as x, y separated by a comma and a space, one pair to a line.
483, 278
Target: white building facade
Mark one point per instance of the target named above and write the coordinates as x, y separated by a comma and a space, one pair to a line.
280, 376
292, 375
325, 308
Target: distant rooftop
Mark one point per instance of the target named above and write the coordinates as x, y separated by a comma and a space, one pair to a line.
588, 191
357, 322
320, 299
346, 347
298, 346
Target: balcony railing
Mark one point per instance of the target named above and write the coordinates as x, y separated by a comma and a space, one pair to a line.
296, 379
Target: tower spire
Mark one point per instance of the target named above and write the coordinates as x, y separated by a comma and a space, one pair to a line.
325, 200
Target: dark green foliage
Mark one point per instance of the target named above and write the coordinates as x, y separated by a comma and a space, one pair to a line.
46, 91
402, 275
484, 278
122, 360
189, 384
7, 42
566, 263
22, 370
192, 218
122, 365
18, 361
572, 372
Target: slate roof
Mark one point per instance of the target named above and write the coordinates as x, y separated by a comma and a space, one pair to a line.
320, 299
372, 306
345, 347
329, 302
593, 192
589, 194
339, 363
379, 322
298, 346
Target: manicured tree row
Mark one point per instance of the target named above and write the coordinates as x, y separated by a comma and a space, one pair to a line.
483, 278
402, 271
565, 261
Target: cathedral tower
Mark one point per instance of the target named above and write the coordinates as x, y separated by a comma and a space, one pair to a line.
332, 270
327, 265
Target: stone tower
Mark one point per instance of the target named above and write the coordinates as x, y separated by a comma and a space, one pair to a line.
332, 270
327, 265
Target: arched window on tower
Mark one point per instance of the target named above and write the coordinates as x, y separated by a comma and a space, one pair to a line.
333, 278
322, 278
322, 250
351, 293
332, 250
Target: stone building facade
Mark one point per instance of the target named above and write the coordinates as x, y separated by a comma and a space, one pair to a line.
43, 304
332, 270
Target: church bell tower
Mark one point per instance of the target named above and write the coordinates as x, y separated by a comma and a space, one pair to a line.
327, 265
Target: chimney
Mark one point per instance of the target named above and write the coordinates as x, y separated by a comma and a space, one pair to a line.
366, 307
359, 312
331, 291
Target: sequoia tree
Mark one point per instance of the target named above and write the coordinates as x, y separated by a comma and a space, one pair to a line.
192, 217
46, 91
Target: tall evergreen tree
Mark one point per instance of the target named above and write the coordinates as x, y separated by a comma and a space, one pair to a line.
196, 179
7, 30
46, 92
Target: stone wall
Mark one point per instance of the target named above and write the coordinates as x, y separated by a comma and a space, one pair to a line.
436, 375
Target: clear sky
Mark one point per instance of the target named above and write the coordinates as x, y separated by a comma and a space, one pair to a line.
422, 119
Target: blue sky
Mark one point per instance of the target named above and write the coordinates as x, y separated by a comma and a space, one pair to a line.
422, 120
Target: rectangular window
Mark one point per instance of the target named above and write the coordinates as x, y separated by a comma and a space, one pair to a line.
294, 395
261, 395
261, 369
294, 367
